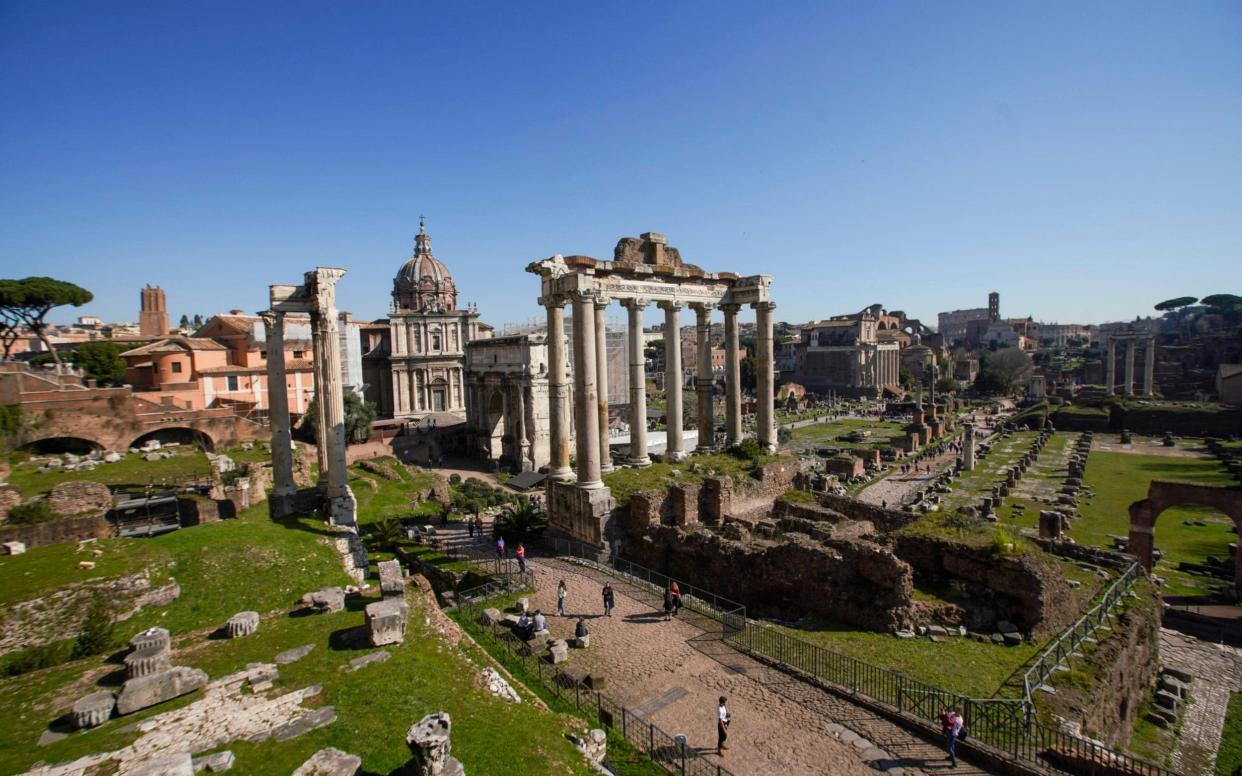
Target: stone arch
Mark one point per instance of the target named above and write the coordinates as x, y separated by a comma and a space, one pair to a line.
55, 445
183, 435
495, 422
1160, 496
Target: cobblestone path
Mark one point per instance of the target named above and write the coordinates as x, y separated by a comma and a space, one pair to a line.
1217, 672
674, 671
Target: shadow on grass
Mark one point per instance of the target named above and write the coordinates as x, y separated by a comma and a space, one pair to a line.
349, 639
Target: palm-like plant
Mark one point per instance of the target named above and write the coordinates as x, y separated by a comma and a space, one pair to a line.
521, 520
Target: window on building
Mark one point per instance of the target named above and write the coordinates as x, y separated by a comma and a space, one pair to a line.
232, 382
435, 341
299, 354
262, 355
176, 367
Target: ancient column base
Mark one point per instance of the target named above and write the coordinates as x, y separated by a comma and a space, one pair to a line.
580, 513
343, 510
282, 504
561, 474
644, 461
677, 456
768, 449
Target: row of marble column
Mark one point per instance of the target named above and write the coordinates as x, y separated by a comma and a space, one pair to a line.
1149, 367
591, 381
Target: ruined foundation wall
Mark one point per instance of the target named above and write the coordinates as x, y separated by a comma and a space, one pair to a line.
1024, 589
850, 581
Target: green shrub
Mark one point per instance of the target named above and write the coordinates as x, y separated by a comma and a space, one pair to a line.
97, 629
1003, 543
36, 511
35, 658
746, 450
454, 479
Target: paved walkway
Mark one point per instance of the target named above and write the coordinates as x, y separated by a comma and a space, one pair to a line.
1217, 669
673, 672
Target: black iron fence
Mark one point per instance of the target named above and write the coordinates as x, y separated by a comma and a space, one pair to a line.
672, 752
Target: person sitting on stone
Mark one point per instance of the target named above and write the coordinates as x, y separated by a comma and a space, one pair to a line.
580, 630
525, 628
541, 622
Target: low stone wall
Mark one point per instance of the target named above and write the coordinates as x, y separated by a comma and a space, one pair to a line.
1027, 590
1123, 670
883, 519
851, 581
71, 529
1086, 554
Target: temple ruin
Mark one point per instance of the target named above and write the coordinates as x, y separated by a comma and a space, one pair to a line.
644, 270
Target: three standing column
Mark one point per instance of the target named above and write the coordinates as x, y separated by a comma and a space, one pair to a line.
283, 486
733, 377
703, 380
674, 449
601, 382
638, 383
586, 393
558, 391
1129, 386
765, 376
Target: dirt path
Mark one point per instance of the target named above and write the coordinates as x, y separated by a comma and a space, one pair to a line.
672, 672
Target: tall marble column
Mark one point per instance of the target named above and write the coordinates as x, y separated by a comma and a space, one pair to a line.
325, 322
1129, 385
601, 382
521, 442
674, 449
733, 377
703, 379
321, 418
1149, 367
283, 487
765, 376
558, 392
1110, 367
586, 393
638, 383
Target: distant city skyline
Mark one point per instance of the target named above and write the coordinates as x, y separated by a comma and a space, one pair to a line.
1081, 160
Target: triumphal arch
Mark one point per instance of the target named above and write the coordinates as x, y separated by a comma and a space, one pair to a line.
644, 271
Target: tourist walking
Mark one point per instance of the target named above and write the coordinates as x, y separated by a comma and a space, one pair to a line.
520, 554
500, 547
951, 725
470, 526
561, 593
722, 726
675, 589
668, 603
609, 601
478, 526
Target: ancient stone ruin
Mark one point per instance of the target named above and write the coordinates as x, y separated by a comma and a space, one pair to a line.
431, 747
386, 621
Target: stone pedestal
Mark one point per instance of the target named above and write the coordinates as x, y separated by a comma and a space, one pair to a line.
392, 578
386, 621
431, 746
1049, 524
242, 624
579, 513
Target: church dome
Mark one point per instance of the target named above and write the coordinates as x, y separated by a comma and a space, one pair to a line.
424, 283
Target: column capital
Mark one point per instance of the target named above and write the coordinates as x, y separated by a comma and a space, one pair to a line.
768, 306
272, 318
583, 296
730, 308
554, 300
703, 307
669, 305
637, 303
602, 301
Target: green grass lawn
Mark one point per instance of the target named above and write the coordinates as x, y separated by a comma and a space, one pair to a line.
827, 434
375, 706
660, 476
1120, 479
390, 498
130, 470
961, 665
1229, 756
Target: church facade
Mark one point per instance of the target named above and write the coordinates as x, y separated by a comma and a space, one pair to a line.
414, 361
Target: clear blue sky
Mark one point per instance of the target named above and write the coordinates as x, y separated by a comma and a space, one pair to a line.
1084, 159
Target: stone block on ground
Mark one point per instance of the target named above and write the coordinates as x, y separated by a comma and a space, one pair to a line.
366, 660
497, 686
330, 762
93, 710
392, 578
595, 745
1012, 638
325, 600
217, 762
309, 721
294, 655
146, 691
175, 764
491, 616
13, 548
431, 747
386, 621
581, 642
558, 651
241, 624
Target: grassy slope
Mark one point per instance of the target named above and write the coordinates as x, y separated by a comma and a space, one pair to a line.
130, 470
825, 434
374, 706
660, 476
389, 498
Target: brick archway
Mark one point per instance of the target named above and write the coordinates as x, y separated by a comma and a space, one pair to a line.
1162, 495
